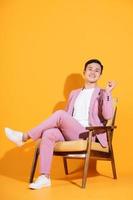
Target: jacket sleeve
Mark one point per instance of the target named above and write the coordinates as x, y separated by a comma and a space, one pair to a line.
68, 101
107, 106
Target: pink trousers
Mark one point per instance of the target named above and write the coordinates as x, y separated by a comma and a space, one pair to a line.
60, 126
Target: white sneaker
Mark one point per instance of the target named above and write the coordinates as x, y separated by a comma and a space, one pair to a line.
41, 181
14, 136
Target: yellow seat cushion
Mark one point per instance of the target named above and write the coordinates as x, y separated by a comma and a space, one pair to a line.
78, 145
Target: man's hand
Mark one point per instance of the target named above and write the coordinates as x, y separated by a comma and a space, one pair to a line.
110, 86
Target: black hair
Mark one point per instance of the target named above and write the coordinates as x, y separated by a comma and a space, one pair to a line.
93, 61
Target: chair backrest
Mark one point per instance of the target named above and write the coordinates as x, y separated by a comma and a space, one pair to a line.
111, 122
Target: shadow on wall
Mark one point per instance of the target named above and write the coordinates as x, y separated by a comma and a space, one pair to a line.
17, 162
73, 81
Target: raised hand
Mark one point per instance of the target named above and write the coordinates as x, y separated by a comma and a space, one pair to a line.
110, 86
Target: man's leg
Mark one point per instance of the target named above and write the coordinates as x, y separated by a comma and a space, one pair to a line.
49, 137
60, 119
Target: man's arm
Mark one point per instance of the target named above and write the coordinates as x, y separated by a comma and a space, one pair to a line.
107, 107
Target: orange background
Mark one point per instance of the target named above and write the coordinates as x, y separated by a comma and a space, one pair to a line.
43, 48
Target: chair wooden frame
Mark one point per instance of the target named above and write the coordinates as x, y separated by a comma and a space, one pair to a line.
87, 154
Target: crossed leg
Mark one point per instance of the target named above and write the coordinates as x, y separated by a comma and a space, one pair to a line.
69, 127
59, 126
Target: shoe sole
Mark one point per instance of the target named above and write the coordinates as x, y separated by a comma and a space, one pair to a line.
48, 185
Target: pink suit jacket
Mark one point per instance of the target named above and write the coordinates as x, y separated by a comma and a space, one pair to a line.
94, 120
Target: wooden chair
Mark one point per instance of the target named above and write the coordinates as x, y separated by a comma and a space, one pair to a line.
84, 149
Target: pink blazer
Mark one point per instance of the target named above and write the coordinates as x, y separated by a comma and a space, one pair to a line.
107, 109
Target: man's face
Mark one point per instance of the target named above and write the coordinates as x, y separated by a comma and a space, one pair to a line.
92, 72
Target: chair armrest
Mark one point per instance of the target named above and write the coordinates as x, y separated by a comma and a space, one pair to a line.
96, 130
100, 128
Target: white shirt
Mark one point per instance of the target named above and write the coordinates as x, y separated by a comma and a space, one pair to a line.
81, 106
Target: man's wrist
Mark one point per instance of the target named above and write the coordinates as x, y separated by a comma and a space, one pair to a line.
108, 92
108, 95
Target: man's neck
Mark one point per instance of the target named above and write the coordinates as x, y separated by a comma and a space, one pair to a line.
90, 85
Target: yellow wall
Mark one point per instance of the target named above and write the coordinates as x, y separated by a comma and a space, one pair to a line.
43, 47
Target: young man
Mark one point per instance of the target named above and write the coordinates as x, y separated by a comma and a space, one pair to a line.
81, 111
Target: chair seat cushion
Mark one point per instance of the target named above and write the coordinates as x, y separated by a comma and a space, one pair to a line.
77, 145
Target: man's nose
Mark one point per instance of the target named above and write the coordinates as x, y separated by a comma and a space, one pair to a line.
93, 73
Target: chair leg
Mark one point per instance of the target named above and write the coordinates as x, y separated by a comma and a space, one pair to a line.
113, 166
65, 165
85, 172
34, 163
87, 159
